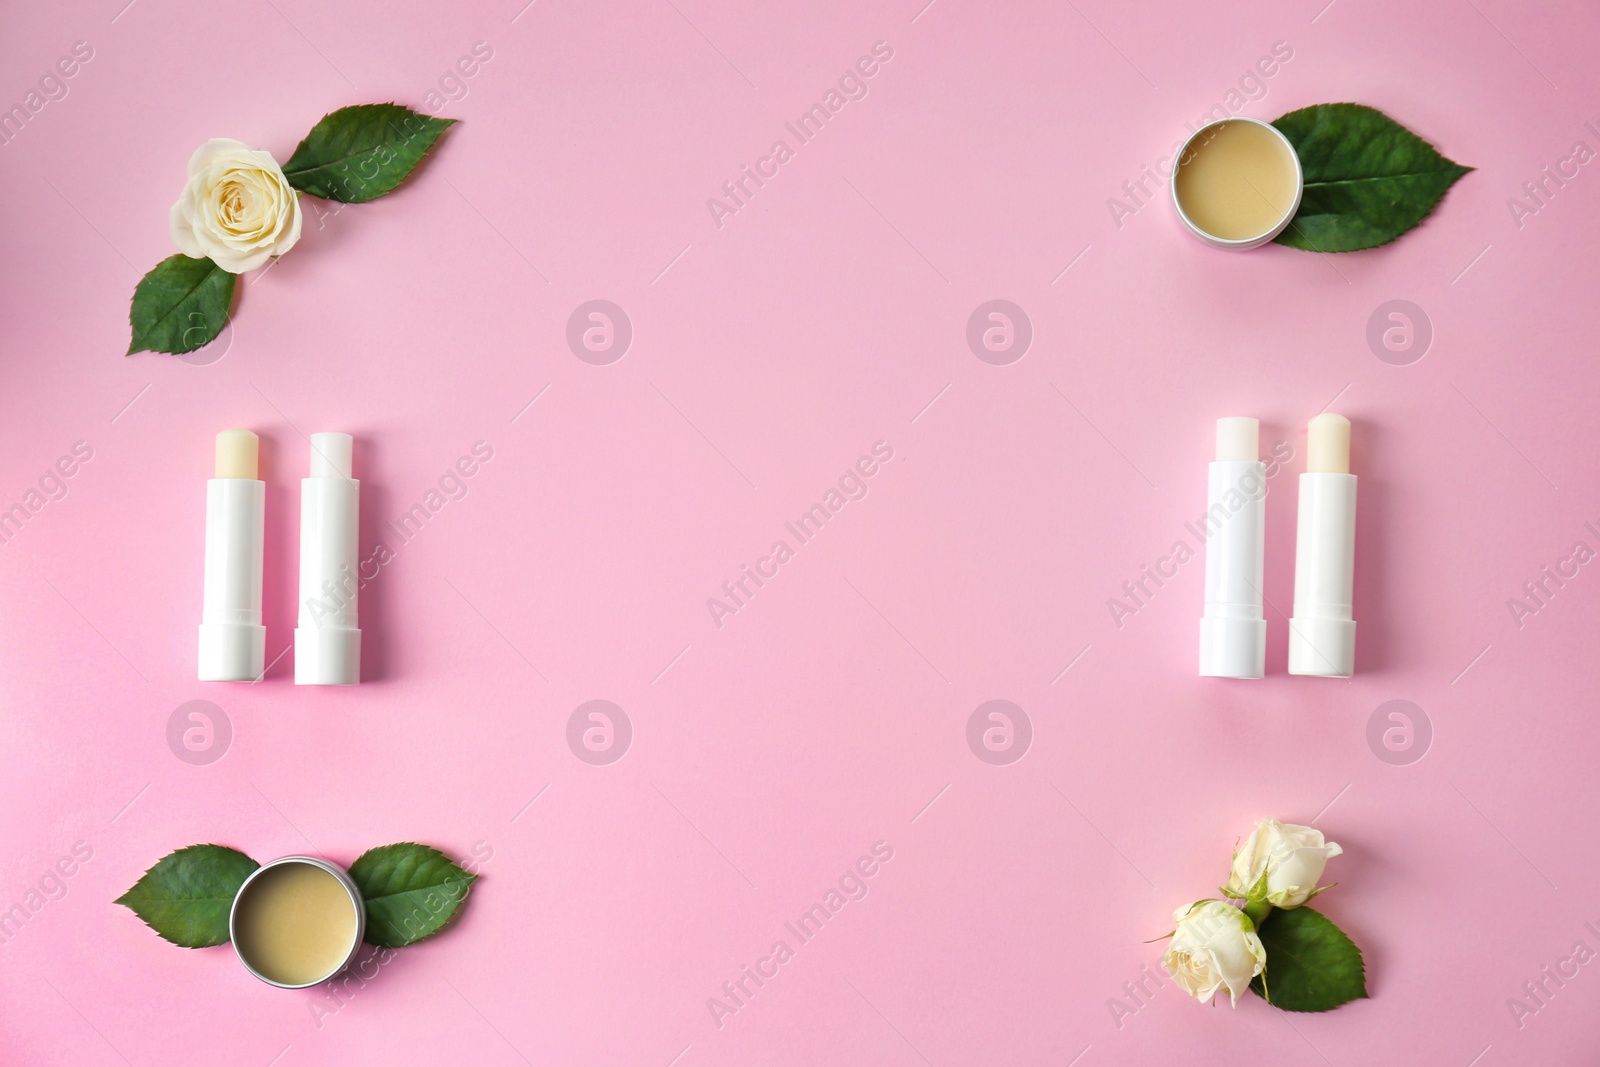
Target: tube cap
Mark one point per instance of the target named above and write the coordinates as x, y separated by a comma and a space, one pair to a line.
232, 651
1322, 648
327, 657
1233, 648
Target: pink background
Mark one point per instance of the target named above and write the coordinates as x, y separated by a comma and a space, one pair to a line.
831, 712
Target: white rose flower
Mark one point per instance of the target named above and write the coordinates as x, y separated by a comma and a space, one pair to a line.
237, 209
1214, 946
1292, 858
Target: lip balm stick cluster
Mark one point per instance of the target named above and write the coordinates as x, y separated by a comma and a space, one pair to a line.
327, 641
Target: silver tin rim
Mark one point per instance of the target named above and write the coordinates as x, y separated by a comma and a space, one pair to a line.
355, 899
1248, 242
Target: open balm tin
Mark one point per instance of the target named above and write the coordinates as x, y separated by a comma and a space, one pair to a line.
297, 921
1237, 183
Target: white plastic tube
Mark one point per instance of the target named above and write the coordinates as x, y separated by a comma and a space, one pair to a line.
1233, 631
327, 641
232, 640
1322, 633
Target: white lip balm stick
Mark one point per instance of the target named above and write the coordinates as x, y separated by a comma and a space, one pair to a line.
1233, 632
233, 642
327, 641
1322, 633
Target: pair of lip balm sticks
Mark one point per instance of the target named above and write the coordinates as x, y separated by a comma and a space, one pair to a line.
1233, 632
327, 641
1322, 631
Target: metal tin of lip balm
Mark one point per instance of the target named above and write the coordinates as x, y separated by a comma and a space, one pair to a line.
1208, 185
277, 931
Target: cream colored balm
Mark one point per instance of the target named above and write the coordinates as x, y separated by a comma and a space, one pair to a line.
1237, 183
296, 923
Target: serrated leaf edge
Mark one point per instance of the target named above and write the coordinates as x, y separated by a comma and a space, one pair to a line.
1461, 170
1361, 969
464, 882
127, 898
290, 175
133, 330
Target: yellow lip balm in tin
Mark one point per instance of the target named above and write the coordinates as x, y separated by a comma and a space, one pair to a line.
1237, 183
297, 921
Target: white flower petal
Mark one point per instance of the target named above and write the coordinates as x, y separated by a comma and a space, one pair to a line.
237, 207
213, 149
1213, 948
183, 238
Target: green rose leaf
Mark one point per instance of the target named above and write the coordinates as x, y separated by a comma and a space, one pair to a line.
1368, 179
186, 896
1311, 964
360, 153
181, 305
411, 891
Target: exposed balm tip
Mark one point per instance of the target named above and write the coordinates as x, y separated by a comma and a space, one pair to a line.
1328, 444
1238, 439
238, 454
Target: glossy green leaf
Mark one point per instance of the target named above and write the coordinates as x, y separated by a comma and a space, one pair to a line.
181, 305
1311, 964
411, 891
1368, 179
186, 896
360, 153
